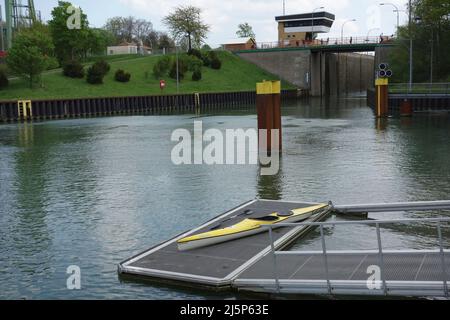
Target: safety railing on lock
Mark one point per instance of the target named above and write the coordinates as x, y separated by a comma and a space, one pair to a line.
420, 88
347, 41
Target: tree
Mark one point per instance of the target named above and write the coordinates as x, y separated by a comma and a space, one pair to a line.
128, 29
69, 43
31, 53
97, 40
430, 31
159, 40
186, 22
245, 31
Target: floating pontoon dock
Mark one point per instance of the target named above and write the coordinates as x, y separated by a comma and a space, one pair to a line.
258, 264
219, 265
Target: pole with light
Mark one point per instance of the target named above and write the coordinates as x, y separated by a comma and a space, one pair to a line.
342, 30
178, 67
312, 21
396, 10
368, 33
284, 7
410, 48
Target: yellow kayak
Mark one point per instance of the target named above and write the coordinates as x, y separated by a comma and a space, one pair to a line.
246, 228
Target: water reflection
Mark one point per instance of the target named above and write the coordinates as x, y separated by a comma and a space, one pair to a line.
96, 191
271, 187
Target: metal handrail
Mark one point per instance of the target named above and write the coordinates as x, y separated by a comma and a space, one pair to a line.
323, 42
420, 88
377, 223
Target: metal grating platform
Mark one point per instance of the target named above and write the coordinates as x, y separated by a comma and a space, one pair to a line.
410, 273
217, 266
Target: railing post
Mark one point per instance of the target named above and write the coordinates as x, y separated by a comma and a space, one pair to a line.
381, 259
444, 268
325, 260
274, 256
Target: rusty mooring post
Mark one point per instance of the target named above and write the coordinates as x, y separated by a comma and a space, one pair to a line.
268, 105
382, 97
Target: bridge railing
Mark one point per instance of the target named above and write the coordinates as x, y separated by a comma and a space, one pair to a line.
439, 225
323, 42
420, 88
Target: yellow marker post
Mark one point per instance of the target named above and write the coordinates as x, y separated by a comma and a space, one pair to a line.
382, 97
268, 104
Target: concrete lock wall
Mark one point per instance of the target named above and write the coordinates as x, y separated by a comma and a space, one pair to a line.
330, 73
355, 73
291, 66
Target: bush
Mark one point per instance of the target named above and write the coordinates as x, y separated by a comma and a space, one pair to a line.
95, 74
103, 66
212, 55
192, 63
206, 60
4, 82
197, 75
162, 67
181, 70
195, 53
122, 76
73, 69
216, 64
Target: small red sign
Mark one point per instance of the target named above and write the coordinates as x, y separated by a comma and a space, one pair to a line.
162, 84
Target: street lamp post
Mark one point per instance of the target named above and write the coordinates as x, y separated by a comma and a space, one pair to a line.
284, 7
410, 47
368, 33
342, 30
312, 21
178, 74
396, 10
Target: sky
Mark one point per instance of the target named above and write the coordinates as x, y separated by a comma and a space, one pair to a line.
224, 15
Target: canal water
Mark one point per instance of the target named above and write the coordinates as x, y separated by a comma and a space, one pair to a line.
92, 192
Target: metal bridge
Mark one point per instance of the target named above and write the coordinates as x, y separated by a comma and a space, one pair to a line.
348, 44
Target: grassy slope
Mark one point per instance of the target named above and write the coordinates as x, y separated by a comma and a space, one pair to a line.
235, 75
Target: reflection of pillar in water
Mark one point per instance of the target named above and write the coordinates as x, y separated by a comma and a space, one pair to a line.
271, 187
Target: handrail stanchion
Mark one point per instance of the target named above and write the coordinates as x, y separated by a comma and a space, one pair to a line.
381, 259
325, 260
274, 256
444, 268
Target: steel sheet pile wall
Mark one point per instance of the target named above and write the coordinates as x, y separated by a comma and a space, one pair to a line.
420, 103
93, 107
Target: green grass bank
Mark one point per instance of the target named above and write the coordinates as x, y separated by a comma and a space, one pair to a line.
235, 75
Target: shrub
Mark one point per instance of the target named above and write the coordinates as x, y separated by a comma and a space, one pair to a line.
212, 55
162, 67
181, 70
122, 76
197, 75
4, 82
95, 74
157, 71
216, 64
206, 60
195, 53
192, 63
103, 66
73, 69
